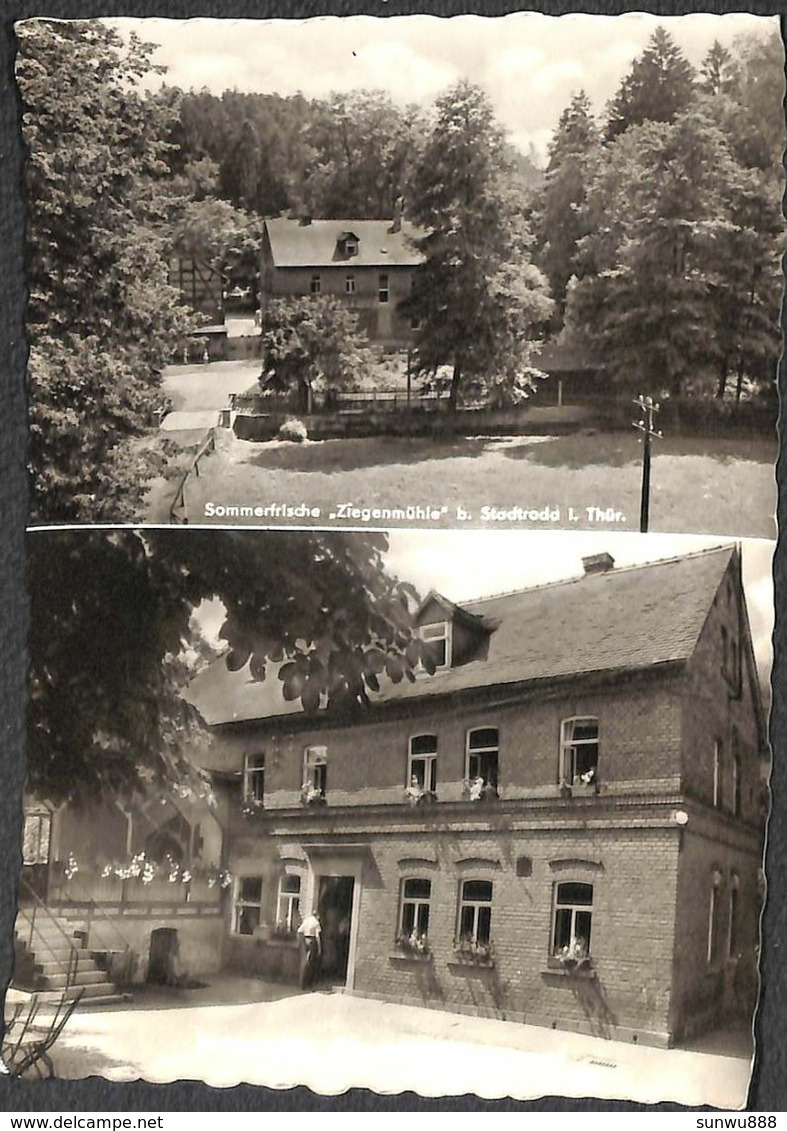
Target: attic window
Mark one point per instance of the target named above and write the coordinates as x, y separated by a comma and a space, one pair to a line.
348, 245
438, 637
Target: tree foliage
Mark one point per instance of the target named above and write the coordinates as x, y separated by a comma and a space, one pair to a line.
312, 345
477, 295
659, 86
101, 316
111, 618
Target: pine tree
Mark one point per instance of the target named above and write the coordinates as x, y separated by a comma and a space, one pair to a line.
477, 295
659, 86
560, 225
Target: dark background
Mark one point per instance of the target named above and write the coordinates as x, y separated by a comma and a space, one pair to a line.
769, 1084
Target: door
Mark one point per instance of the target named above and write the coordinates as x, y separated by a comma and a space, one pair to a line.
334, 906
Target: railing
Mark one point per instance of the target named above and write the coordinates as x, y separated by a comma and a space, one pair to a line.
73, 950
96, 909
177, 510
388, 400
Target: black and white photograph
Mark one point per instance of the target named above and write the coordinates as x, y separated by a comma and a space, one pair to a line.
428, 811
409, 272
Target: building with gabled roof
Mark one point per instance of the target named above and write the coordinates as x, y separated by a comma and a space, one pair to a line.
562, 825
367, 264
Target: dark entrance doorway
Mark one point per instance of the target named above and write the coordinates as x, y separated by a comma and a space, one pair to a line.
335, 905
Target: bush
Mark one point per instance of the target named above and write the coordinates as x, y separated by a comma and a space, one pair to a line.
294, 430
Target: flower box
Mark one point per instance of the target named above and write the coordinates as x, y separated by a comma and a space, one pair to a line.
469, 953
414, 948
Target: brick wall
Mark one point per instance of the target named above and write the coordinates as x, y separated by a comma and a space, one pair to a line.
718, 706
706, 991
639, 727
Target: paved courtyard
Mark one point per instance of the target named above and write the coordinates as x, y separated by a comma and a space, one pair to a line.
332, 1042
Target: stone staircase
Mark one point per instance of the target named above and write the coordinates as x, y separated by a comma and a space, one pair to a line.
52, 960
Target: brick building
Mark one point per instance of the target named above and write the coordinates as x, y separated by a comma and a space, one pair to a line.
562, 825
368, 264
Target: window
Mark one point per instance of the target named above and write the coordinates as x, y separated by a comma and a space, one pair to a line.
315, 773
735, 768
247, 911
572, 919
475, 911
35, 838
350, 245
422, 763
732, 926
349, 284
579, 750
254, 777
289, 902
482, 749
316, 284
717, 754
414, 912
714, 913
438, 636
382, 288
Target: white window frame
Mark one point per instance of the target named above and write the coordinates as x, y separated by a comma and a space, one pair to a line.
568, 745
351, 246
288, 903
42, 818
477, 752
439, 632
254, 777
383, 288
477, 905
733, 909
418, 903
315, 284
575, 909
718, 753
349, 284
429, 759
713, 912
239, 904
315, 768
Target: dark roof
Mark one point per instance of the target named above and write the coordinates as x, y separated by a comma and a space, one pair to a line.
626, 619
295, 244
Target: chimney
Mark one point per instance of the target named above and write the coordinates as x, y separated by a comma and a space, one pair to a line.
598, 563
304, 220
396, 223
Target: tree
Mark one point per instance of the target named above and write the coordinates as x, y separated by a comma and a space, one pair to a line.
477, 295
101, 317
560, 224
112, 615
659, 86
311, 345
658, 209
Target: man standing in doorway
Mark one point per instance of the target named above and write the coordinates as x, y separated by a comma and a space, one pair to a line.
310, 948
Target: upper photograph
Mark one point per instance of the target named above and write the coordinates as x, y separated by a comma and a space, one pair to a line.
515, 272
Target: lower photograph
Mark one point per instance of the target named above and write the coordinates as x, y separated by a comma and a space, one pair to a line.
445, 812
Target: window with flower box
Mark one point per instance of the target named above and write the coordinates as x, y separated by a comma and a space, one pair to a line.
247, 905
572, 919
422, 765
475, 913
481, 757
315, 774
288, 903
579, 747
415, 903
254, 778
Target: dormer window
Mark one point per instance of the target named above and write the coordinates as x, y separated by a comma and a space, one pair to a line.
348, 244
438, 637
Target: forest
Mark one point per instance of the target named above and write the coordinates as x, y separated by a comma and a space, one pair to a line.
650, 241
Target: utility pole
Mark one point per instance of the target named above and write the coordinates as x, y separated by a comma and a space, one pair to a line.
645, 426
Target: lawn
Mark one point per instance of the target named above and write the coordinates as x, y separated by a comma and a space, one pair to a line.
699, 485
